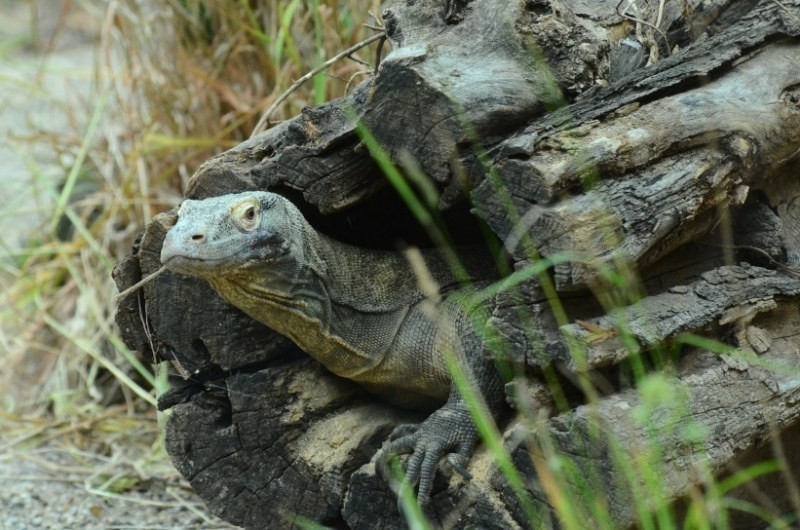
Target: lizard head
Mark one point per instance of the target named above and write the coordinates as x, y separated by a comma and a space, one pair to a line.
224, 235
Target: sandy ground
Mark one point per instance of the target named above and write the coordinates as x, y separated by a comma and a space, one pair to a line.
33, 496
47, 487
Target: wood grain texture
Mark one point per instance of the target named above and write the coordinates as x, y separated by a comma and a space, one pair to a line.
663, 172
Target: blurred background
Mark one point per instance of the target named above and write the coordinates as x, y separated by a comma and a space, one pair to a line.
108, 107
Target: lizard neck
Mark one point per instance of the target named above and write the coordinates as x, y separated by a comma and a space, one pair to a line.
322, 294
291, 295
294, 283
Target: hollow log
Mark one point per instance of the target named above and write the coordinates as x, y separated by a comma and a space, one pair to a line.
584, 141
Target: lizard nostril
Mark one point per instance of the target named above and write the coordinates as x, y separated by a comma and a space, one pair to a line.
198, 237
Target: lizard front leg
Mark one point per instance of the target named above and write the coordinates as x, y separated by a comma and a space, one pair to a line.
448, 433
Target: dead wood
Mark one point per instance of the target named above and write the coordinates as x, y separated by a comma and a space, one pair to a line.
669, 171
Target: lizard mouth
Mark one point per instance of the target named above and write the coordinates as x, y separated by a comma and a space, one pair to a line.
184, 264
181, 261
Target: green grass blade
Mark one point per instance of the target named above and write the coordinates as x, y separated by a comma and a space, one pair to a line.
88, 138
85, 346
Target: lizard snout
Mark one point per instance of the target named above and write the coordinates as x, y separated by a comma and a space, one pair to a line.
182, 243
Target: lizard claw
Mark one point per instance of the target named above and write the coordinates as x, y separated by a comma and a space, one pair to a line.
446, 434
389, 451
459, 463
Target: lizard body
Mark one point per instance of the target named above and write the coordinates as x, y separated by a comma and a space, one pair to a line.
357, 311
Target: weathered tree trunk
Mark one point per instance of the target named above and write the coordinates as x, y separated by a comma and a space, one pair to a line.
679, 173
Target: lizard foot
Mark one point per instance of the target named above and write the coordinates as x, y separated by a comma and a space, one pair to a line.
447, 434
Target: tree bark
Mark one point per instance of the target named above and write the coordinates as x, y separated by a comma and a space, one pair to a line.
540, 119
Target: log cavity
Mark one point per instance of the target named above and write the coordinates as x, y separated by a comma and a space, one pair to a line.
385, 222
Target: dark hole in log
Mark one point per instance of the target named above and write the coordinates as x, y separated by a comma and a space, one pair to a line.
385, 222
521, 155
200, 347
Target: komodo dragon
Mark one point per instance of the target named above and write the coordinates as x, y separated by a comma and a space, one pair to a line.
359, 312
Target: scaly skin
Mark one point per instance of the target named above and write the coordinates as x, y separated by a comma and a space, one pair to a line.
359, 312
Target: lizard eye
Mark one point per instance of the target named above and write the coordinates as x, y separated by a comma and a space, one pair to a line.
247, 216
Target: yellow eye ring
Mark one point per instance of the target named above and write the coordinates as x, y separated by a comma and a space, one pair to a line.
246, 215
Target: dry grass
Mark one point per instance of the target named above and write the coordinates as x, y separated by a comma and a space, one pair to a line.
173, 82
